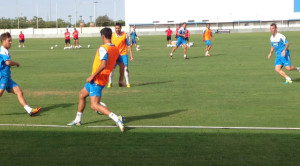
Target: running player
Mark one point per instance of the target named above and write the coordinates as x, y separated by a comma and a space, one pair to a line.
67, 39
104, 63
206, 37
180, 41
21, 40
6, 83
75, 36
121, 41
280, 45
169, 37
133, 38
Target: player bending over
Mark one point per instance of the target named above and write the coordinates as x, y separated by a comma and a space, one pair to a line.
180, 41
280, 45
104, 63
6, 83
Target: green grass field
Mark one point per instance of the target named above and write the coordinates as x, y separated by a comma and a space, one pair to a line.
235, 87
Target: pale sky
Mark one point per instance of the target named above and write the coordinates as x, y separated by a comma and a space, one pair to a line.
47, 9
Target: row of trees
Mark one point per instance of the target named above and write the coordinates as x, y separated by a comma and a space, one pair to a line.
23, 22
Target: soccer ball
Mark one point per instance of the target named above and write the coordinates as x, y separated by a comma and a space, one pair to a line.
89, 46
51, 48
103, 104
56, 45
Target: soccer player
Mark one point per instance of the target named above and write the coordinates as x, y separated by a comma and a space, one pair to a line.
104, 63
169, 37
133, 38
21, 40
280, 45
187, 37
67, 39
206, 37
121, 41
6, 83
180, 41
75, 36
177, 30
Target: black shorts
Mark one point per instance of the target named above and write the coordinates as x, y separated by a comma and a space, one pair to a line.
22, 41
168, 38
75, 38
187, 39
67, 41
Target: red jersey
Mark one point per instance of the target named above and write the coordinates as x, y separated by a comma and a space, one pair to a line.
177, 29
169, 32
75, 34
187, 34
21, 36
67, 35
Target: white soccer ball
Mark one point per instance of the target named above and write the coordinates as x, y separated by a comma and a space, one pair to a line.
19, 46
51, 48
56, 45
89, 46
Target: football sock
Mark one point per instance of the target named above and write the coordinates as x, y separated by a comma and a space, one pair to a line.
111, 76
184, 56
126, 74
298, 68
27, 108
171, 54
114, 117
288, 78
78, 117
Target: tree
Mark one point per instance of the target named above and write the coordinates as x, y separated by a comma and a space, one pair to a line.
104, 21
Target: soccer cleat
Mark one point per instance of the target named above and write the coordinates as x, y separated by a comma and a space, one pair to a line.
171, 56
73, 123
288, 82
120, 123
128, 85
109, 85
99, 113
35, 111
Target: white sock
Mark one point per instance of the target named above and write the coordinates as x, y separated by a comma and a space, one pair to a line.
126, 74
27, 108
288, 78
184, 56
298, 68
114, 117
78, 117
111, 76
171, 54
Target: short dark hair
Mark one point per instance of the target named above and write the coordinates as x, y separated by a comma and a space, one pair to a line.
118, 24
5, 36
107, 32
273, 24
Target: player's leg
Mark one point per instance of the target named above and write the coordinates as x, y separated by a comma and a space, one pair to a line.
278, 69
18, 91
185, 51
126, 70
1, 92
83, 94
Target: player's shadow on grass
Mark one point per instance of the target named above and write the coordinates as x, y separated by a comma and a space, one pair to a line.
153, 116
152, 83
297, 80
55, 106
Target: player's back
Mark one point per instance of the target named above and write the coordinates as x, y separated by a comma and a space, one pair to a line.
110, 53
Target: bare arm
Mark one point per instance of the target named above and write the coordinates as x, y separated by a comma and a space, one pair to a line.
271, 52
12, 63
286, 47
99, 70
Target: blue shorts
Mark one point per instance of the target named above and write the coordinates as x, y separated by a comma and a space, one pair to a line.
283, 61
133, 41
208, 42
7, 83
94, 89
123, 59
180, 41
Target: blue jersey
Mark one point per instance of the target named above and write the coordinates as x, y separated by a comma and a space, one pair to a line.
278, 42
181, 31
133, 35
4, 56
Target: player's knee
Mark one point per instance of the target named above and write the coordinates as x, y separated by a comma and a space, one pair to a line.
94, 106
289, 69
